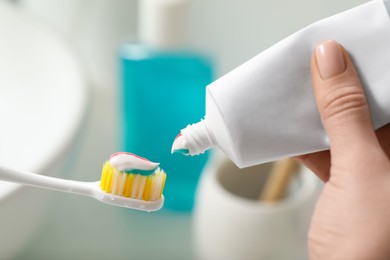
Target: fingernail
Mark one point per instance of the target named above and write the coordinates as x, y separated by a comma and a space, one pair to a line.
330, 59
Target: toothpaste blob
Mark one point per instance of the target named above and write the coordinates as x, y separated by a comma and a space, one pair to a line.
131, 163
180, 145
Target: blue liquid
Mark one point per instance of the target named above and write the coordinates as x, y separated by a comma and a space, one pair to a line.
162, 93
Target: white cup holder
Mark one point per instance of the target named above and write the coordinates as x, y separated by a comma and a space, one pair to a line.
230, 222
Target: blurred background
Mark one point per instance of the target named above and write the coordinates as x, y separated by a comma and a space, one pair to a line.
220, 35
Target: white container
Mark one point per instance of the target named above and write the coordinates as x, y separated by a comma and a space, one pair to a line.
43, 101
230, 223
265, 110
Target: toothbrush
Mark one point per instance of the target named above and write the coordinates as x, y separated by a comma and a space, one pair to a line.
279, 179
127, 181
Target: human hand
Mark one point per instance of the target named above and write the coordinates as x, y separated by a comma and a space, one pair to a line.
352, 216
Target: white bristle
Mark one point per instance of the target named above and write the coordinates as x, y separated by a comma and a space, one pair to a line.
156, 189
122, 183
115, 180
159, 181
141, 187
152, 188
135, 186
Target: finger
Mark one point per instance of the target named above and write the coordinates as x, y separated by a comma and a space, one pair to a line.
318, 162
341, 101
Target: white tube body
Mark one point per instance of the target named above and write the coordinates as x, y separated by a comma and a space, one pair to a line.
265, 109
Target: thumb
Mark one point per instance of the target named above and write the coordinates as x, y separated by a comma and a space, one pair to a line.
341, 101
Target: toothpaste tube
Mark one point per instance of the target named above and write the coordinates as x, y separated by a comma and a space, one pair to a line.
264, 110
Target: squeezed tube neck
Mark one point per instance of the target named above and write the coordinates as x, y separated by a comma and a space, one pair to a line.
198, 137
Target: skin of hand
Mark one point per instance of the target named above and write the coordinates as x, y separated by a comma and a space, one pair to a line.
352, 216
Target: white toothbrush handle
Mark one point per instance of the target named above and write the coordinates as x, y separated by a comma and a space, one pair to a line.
37, 180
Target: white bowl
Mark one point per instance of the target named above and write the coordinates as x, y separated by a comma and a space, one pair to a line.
43, 99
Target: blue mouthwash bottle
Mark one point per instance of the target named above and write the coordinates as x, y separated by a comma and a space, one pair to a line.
163, 88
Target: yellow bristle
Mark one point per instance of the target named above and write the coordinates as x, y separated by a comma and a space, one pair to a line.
107, 177
148, 186
153, 187
106, 168
109, 182
128, 185
164, 176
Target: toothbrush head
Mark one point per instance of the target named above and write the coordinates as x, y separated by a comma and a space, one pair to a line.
132, 181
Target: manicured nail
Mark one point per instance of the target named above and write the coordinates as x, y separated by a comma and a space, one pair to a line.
330, 59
